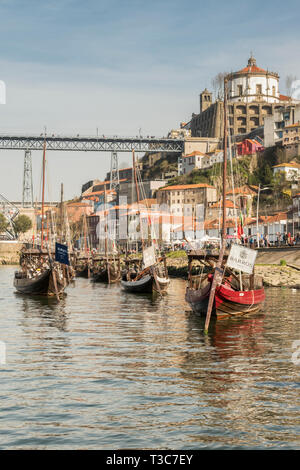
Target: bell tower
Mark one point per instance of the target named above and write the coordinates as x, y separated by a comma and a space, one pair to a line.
205, 100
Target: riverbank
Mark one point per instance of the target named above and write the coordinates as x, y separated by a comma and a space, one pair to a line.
10, 252
273, 274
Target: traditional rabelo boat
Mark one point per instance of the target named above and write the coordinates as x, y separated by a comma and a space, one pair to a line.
82, 266
83, 259
40, 274
223, 290
153, 278
235, 293
149, 274
106, 268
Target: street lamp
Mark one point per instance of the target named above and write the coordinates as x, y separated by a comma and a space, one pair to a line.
257, 210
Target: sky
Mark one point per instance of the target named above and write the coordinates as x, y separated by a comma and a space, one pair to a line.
121, 66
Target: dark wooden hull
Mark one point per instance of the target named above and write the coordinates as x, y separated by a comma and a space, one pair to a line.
102, 276
198, 299
228, 302
39, 285
145, 285
83, 272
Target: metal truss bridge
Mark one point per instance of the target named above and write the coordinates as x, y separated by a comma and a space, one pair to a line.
91, 144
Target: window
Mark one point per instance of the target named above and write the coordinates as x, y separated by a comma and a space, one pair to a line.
258, 89
273, 90
240, 90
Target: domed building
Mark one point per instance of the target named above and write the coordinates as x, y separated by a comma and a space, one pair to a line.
253, 83
253, 94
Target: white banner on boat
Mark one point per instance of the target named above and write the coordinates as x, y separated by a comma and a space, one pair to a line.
149, 257
241, 258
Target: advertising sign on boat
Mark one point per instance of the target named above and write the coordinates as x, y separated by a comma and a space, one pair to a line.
61, 254
149, 257
241, 258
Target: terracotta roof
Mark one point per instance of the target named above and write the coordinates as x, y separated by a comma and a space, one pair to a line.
193, 154
185, 186
297, 124
284, 98
290, 165
219, 204
241, 190
99, 193
252, 69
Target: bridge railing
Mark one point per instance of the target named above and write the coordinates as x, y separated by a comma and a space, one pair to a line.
91, 143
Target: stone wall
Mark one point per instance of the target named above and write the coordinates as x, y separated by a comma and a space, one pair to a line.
10, 252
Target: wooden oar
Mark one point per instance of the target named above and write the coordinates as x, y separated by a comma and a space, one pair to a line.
153, 272
55, 284
108, 272
218, 275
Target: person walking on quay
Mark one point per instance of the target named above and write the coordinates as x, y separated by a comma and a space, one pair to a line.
279, 239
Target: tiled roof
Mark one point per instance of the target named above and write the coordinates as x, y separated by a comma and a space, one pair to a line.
219, 204
252, 69
241, 190
297, 124
289, 165
193, 154
185, 186
284, 98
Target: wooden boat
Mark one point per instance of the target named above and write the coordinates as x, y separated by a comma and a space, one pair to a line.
106, 270
224, 291
149, 280
39, 275
229, 300
150, 274
82, 268
82, 260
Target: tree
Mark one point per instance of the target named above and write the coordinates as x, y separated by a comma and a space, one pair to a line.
3, 223
22, 224
218, 84
289, 83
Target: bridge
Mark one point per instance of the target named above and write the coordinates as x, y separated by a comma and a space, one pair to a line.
91, 144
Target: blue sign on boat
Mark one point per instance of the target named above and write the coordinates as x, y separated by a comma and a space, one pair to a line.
61, 253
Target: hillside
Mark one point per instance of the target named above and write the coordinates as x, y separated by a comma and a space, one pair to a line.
250, 170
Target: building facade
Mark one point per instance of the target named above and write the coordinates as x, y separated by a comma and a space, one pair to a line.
183, 199
253, 94
290, 170
274, 124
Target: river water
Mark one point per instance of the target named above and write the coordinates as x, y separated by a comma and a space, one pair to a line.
105, 369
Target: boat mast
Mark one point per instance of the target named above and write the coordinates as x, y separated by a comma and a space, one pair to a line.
43, 194
137, 195
105, 221
61, 212
218, 274
224, 162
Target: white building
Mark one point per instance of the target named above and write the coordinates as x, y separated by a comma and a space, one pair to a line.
198, 160
291, 170
275, 123
253, 83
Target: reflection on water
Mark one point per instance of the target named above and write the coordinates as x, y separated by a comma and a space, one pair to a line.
108, 369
